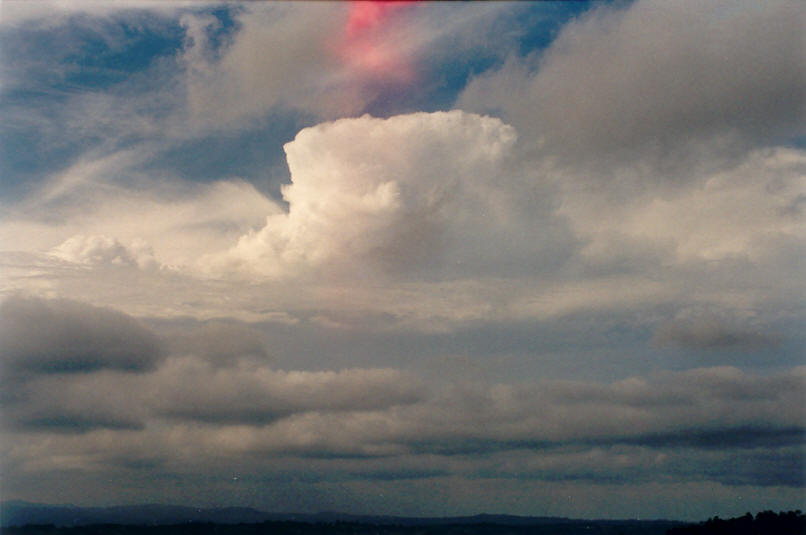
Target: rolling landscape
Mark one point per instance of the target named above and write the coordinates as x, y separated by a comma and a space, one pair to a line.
22, 518
31, 519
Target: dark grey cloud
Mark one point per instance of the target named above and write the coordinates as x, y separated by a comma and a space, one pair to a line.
392, 475
762, 467
476, 446
39, 336
745, 437
221, 343
709, 333
71, 422
630, 465
794, 208
76, 403
741, 438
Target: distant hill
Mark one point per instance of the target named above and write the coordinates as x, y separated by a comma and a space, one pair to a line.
783, 523
16, 513
51, 517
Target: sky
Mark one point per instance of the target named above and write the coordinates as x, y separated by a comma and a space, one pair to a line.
420, 259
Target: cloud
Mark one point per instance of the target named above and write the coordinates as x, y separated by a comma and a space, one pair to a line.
741, 437
215, 401
711, 424
279, 57
498, 248
393, 193
103, 250
258, 395
698, 402
656, 82
736, 214
59, 336
315, 59
220, 343
77, 418
569, 240
383, 411
101, 399
84, 214
53, 12
626, 466
710, 333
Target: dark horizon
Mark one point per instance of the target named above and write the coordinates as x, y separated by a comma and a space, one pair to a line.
162, 514
31, 519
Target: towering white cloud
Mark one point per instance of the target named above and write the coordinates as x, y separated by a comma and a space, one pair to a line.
392, 193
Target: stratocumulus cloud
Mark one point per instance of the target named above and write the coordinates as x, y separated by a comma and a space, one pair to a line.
41, 336
545, 429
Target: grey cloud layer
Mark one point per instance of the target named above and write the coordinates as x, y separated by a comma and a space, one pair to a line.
259, 395
537, 432
214, 405
68, 337
238, 407
219, 373
710, 333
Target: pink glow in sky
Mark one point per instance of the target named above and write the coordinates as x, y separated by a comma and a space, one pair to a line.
369, 44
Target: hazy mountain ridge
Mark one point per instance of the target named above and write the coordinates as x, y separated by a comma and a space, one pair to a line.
19, 513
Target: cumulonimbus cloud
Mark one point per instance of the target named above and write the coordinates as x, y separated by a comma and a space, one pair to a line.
384, 192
